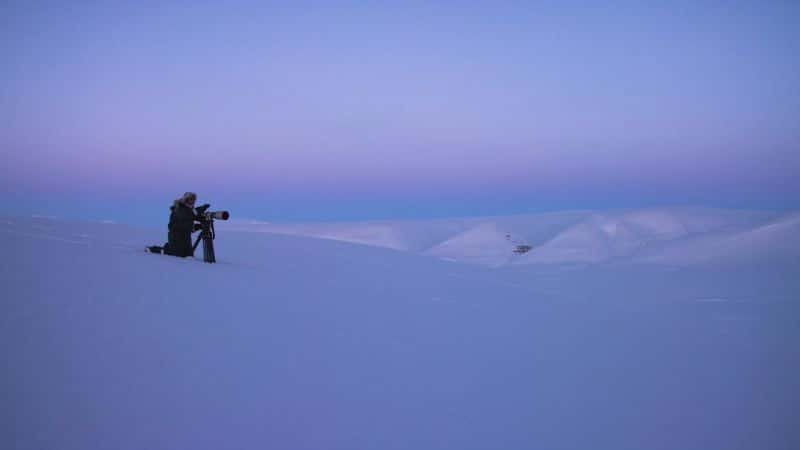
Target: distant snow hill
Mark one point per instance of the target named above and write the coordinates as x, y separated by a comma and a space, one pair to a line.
673, 236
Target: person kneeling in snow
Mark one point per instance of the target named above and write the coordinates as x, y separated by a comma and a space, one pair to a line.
181, 226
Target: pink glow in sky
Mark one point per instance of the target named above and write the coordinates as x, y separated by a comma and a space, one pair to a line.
626, 103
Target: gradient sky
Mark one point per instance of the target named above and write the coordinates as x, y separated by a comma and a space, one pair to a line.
343, 110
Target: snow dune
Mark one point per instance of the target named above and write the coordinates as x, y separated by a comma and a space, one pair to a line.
676, 236
294, 342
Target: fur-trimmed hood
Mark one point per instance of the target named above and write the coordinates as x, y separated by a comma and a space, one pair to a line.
182, 200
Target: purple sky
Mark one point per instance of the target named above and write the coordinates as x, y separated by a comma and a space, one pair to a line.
323, 111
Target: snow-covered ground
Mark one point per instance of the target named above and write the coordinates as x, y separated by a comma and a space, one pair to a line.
657, 329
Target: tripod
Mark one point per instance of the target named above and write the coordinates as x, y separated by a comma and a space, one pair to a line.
207, 236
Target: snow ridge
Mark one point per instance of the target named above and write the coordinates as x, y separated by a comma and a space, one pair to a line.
674, 236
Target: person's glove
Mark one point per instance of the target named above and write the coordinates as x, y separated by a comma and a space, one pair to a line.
197, 227
202, 208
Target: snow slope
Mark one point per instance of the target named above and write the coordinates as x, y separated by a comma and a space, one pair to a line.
293, 342
677, 236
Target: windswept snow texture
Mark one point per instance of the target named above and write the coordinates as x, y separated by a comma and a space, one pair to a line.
673, 236
292, 342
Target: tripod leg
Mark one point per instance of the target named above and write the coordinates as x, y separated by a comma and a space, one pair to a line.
197, 241
208, 250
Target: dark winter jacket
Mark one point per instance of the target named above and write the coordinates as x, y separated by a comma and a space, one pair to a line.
181, 225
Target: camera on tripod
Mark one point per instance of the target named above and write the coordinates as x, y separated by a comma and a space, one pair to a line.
207, 234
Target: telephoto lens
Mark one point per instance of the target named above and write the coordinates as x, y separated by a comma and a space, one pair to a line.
218, 215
